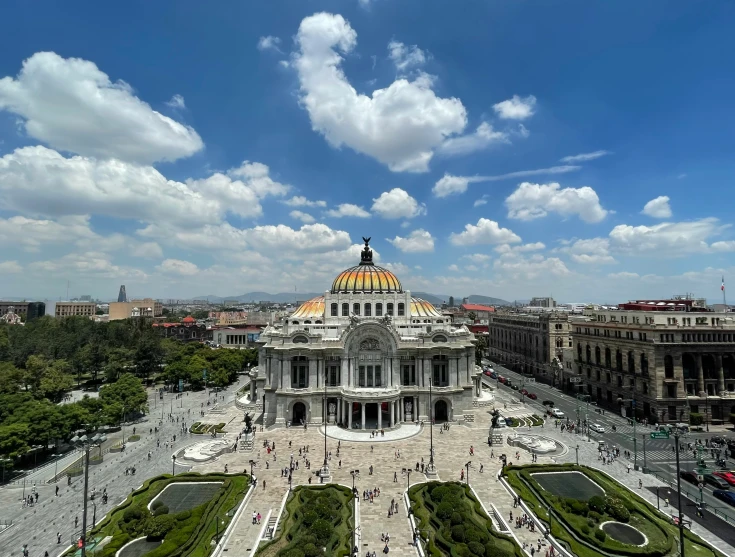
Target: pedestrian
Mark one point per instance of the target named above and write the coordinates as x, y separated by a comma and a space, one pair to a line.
58, 537
57, 491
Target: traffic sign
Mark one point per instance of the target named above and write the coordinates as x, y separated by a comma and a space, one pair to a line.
575, 379
659, 435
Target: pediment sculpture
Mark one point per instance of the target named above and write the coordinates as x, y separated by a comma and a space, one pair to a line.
370, 344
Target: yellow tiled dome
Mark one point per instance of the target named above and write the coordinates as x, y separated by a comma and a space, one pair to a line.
313, 309
366, 278
422, 308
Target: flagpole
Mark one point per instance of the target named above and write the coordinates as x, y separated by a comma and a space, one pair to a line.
724, 299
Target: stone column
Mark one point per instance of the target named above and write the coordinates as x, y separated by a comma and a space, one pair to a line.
720, 374
700, 373
349, 415
380, 415
393, 413
362, 405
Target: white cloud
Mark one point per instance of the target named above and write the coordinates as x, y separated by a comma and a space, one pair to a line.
40, 181
593, 251
310, 237
348, 210
658, 208
32, 234
506, 248
400, 126
303, 217
149, 250
453, 268
397, 204
450, 184
533, 201
624, 275
728, 245
269, 43
668, 238
71, 105
516, 267
418, 241
178, 267
583, 157
176, 102
516, 108
88, 265
480, 202
405, 56
483, 137
477, 257
485, 232
301, 201
9, 267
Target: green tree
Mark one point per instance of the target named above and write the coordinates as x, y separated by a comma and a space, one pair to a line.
4, 344
147, 355
93, 357
126, 393
13, 440
56, 380
11, 378
195, 371
35, 368
480, 348
219, 378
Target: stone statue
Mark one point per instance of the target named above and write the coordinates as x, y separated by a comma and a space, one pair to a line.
370, 344
354, 320
409, 406
248, 423
366, 256
386, 319
332, 408
496, 417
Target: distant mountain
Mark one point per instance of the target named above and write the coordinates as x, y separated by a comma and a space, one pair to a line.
433, 299
293, 297
488, 301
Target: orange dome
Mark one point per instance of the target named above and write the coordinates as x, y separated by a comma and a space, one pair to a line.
366, 278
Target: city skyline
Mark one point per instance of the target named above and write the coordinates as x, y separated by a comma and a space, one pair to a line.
503, 150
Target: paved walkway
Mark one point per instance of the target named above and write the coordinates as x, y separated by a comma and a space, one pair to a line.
364, 436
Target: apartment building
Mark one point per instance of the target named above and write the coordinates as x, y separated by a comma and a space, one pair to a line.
68, 309
531, 343
147, 307
665, 359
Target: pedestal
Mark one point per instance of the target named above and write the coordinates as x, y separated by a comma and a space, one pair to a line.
409, 417
430, 472
325, 476
332, 419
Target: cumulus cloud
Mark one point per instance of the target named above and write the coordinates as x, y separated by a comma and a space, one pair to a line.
418, 241
517, 267
658, 208
668, 238
10, 267
348, 210
176, 102
303, 217
485, 232
595, 251
178, 267
269, 43
533, 201
482, 138
584, 157
451, 185
397, 204
453, 268
477, 257
301, 201
516, 108
72, 105
400, 125
404, 56
506, 248
89, 265
480, 202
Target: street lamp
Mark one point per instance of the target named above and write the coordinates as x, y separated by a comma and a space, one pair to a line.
430, 469
586, 412
467, 467
216, 539
86, 444
577, 451
658, 497
408, 479
173, 464
252, 463
56, 466
324, 473
354, 474
678, 489
635, 439
706, 411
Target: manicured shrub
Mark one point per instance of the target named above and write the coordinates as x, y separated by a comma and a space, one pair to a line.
477, 548
161, 510
311, 550
133, 513
597, 504
444, 511
456, 519
323, 530
156, 504
473, 535
461, 550
600, 535
294, 552
183, 515
585, 529
158, 526
616, 509
438, 493
310, 517
696, 419
458, 533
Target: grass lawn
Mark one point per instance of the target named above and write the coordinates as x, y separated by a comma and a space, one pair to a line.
455, 524
315, 517
584, 513
187, 533
201, 428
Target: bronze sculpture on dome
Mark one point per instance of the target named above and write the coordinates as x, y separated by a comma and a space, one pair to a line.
366, 256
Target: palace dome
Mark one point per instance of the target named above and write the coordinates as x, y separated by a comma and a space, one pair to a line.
366, 277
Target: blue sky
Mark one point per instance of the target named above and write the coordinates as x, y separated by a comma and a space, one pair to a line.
511, 149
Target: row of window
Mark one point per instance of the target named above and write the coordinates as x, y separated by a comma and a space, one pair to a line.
367, 309
618, 358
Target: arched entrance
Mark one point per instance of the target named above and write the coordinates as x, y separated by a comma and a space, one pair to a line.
298, 413
441, 411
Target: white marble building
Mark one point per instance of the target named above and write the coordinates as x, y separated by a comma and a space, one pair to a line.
371, 350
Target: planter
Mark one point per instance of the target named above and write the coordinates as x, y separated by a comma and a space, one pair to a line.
133, 439
74, 472
95, 461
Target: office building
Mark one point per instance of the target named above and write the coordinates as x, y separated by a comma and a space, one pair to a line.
146, 307
69, 309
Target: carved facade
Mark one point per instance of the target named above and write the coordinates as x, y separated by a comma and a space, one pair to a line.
369, 350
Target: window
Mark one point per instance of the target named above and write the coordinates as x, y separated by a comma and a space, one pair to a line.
389, 309
345, 310
368, 310
579, 352
589, 354
300, 340
631, 362
644, 364
409, 374
608, 360
369, 376
401, 309
356, 309
334, 309
299, 372
441, 372
618, 360
378, 309
439, 338
671, 390
333, 377
669, 367
598, 356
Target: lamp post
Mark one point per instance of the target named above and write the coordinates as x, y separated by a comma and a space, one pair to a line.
408, 479
56, 467
123, 424
324, 473
216, 539
86, 444
658, 497
173, 464
431, 469
635, 438
577, 451
678, 489
467, 467
252, 463
706, 411
354, 474
586, 412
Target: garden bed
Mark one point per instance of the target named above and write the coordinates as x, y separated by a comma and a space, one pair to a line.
187, 533
601, 500
133, 438
456, 524
315, 517
199, 428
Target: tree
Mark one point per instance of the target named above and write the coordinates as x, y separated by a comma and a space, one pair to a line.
219, 377
195, 371
147, 355
13, 440
56, 380
472, 316
35, 368
127, 392
92, 357
480, 348
11, 378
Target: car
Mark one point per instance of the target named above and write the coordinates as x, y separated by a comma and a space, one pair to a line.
488, 372
524, 391
502, 379
597, 428
548, 403
716, 481
492, 375
512, 386
532, 396
729, 477
557, 413
509, 422
726, 496
689, 476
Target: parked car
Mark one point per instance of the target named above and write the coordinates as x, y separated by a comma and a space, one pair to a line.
488, 372
502, 379
689, 476
512, 386
726, 496
729, 477
548, 403
492, 375
597, 428
532, 396
524, 391
716, 481
557, 413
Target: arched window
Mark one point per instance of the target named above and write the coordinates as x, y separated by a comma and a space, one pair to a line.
608, 360
618, 360
294, 322
631, 362
644, 364
345, 310
389, 309
440, 338
334, 309
559, 343
598, 355
589, 354
299, 372
356, 308
401, 309
441, 371
307, 322
378, 309
300, 340
368, 310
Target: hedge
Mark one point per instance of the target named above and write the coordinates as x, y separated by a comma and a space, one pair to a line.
199, 428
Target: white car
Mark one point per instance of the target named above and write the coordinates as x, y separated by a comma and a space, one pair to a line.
557, 413
597, 428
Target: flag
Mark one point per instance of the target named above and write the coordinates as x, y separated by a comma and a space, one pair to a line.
723, 283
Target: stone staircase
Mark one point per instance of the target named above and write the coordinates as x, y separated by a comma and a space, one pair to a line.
270, 531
